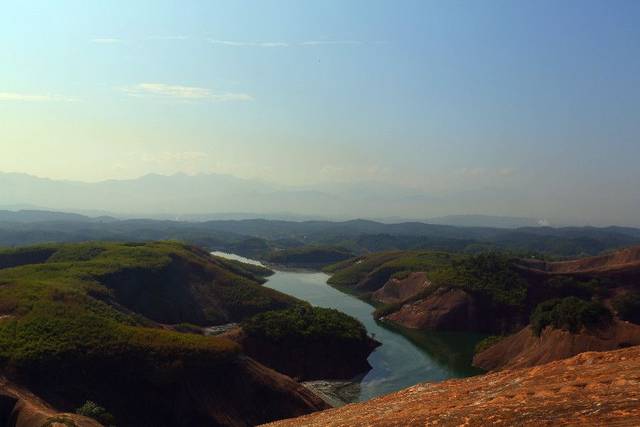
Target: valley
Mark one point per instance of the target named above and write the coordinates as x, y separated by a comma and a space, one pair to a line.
406, 357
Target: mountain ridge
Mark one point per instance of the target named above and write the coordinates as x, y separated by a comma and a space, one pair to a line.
214, 194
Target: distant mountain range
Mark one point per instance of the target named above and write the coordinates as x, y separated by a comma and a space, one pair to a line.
212, 196
259, 237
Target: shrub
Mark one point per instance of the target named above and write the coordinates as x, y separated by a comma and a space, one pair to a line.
188, 328
309, 256
492, 276
305, 323
570, 314
489, 341
567, 286
93, 410
628, 306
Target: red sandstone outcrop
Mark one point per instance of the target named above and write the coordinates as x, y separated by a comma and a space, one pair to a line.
618, 262
591, 389
525, 349
20, 408
398, 290
445, 309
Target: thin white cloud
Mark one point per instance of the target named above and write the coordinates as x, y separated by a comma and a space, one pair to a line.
168, 38
173, 156
29, 97
271, 44
106, 40
248, 44
330, 42
192, 93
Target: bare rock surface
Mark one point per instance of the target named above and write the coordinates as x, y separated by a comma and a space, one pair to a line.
617, 262
525, 349
398, 290
591, 389
21, 408
445, 309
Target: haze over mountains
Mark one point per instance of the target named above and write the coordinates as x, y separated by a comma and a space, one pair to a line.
214, 196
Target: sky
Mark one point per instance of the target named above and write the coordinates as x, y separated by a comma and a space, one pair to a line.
442, 96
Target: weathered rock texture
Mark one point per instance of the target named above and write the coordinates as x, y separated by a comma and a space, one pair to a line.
20, 408
445, 309
591, 389
398, 290
620, 262
525, 349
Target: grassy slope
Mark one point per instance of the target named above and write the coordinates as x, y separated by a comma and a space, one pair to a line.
65, 309
372, 271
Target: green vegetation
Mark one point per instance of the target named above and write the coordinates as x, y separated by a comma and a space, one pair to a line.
628, 306
566, 286
75, 312
491, 276
571, 314
109, 322
188, 328
309, 256
489, 341
93, 410
370, 272
32, 255
501, 290
259, 273
305, 323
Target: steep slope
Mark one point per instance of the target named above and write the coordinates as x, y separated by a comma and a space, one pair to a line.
489, 292
399, 289
307, 343
592, 389
442, 291
20, 408
525, 349
613, 263
444, 309
88, 323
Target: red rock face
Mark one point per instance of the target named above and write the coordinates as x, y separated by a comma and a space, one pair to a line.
21, 408
618, 262
525, 349
398, 290
591, 389
446, 309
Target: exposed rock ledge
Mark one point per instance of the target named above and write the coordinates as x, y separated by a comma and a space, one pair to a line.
525, 349
20, 408
398, 290
591, 389
445, 309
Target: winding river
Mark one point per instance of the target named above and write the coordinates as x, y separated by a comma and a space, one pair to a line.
406, 357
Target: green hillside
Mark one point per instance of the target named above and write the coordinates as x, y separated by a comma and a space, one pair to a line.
76, 318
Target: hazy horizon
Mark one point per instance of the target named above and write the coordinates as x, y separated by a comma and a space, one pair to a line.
413, 109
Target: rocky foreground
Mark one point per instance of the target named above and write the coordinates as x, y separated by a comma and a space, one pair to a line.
591, 389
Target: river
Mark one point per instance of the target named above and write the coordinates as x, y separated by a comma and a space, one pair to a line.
406, 357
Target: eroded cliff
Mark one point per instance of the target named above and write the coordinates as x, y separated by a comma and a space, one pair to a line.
591, 389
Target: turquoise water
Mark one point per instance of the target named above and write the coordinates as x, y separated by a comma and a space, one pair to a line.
406, 357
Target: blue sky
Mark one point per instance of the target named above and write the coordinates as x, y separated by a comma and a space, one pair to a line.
441, 96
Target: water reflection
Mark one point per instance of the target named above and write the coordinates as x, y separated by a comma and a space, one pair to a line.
406, 357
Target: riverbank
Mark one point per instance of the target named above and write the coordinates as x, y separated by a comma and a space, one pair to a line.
405, 357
